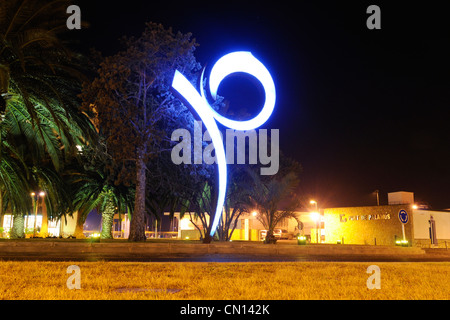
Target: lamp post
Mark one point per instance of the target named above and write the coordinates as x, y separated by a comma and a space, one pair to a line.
315, 216
33, 206
35, 198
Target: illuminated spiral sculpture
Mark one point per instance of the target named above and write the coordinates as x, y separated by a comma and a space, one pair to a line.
240, 61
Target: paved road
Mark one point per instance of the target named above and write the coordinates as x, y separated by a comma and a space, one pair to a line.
429, 257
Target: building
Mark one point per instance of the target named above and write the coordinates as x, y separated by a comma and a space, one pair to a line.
64, 227
374, 225
400, 220
431, 228
248, 227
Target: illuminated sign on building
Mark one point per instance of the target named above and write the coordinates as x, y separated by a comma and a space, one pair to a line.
365, 217
240, 61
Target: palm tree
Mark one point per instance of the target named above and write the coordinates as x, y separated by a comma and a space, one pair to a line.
92, 190
40, 119
13, 187
34, 62
38, 147
39, 77
90, 180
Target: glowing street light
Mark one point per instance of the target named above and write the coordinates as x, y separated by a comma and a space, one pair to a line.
35, 203
315, 216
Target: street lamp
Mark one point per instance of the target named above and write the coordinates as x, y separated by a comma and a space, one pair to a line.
35, 199
315, 216
378, 196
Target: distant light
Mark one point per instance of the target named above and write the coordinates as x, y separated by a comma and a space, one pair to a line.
42, 193
313, 202
415, 206
254, 213
185, 224
401, 242
315, 216
33, 194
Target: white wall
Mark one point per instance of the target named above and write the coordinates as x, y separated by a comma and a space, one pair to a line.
401, 197
421, 225
68, 228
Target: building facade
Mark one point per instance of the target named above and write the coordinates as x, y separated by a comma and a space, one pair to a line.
372, 225
400, 220
64, 227
431, 228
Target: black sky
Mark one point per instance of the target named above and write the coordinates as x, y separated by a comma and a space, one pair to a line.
360, 109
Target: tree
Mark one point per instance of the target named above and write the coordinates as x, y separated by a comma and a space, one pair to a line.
202, 207
13, 186
108, 199
40, 78
237, 201
41, 148
131, 95
34, 62
273, 197
93, 188
40, 119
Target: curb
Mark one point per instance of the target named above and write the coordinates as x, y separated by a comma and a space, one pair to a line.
200, 248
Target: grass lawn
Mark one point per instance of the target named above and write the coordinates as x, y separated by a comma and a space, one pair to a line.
246, 281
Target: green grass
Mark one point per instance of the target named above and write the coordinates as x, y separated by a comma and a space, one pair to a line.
251, 280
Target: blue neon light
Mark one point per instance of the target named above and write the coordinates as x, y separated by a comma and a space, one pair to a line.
240, 61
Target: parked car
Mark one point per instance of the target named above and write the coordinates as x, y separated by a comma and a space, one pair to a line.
283, 234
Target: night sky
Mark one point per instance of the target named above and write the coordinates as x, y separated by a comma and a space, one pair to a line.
360, 109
